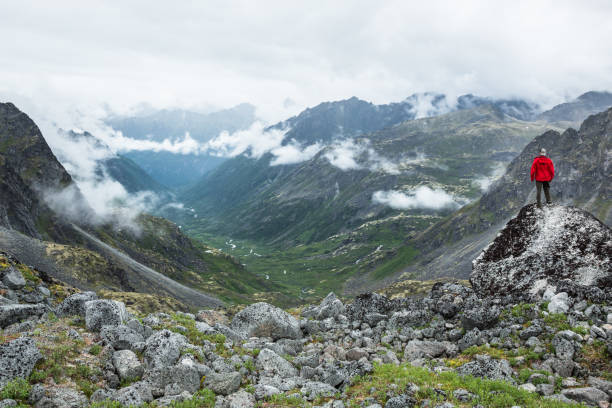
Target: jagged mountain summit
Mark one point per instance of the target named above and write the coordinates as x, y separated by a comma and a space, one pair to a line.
542, 247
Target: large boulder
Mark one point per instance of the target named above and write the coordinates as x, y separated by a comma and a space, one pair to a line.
17, 359
163, 349
74, 305
542, 247
13, 313
223, 383
100, 313
121, 337
264, 320
127, 365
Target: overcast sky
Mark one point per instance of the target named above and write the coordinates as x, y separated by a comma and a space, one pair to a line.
221, 53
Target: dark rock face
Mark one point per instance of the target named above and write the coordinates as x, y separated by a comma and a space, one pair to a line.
26, 164
543, 247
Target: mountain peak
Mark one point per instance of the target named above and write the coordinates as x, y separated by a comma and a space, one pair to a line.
541, 247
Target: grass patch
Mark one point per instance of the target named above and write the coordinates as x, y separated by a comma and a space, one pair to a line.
17, 389
489, 393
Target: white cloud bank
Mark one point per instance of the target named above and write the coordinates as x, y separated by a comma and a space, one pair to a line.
348, 154
421, 197
484, 183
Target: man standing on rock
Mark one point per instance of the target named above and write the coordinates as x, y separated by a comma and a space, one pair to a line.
543, 171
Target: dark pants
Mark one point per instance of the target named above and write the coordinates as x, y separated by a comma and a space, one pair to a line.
546, 185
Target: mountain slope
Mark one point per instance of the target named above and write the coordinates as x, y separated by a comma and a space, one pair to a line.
315, 199
579, 109
583, 179
80, 254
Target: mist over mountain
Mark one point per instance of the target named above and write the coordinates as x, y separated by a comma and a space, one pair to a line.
171, 169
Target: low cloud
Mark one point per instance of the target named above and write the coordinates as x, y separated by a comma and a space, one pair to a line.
421, 197
348, 154
485, 182
293, 153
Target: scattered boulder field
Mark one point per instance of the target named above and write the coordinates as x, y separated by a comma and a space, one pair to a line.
506, 340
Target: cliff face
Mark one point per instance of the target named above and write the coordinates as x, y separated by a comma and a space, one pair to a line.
539, 248
27, 168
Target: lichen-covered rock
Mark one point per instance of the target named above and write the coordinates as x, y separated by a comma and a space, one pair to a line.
315, 389
223, 383
121, 337
62, 397
74, 305
17, 359
127, 365
369, 303
100, 313
163, 349
14, 313
487, 367
541, 247
588, 395
423, 349
239, 399
269, 361
482, 317
264, 320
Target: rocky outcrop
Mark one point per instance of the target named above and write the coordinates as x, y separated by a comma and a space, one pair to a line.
100, 313
540, 248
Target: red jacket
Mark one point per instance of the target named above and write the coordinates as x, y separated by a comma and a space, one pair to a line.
542, 169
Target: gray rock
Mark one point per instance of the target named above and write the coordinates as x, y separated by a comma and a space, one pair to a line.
44, 291
390, 358
483, 317
588, 395
269, 361
62, 397
5, 403
14, 313
356, 354
331, 306
463, 395
263, 391
100, 313
486, 367
74, 305
264, 320
309, 360
545, 389
36, 393
601, 384
17, 359
100, 395
416, 349
223, 383
129, 396
186, 375
529, 387
163, 349
230, 333
121, 337
127, 365
405, 318
559, 303
314, 389
170, 400
239, 399
401, 401
532, 331
13, 279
